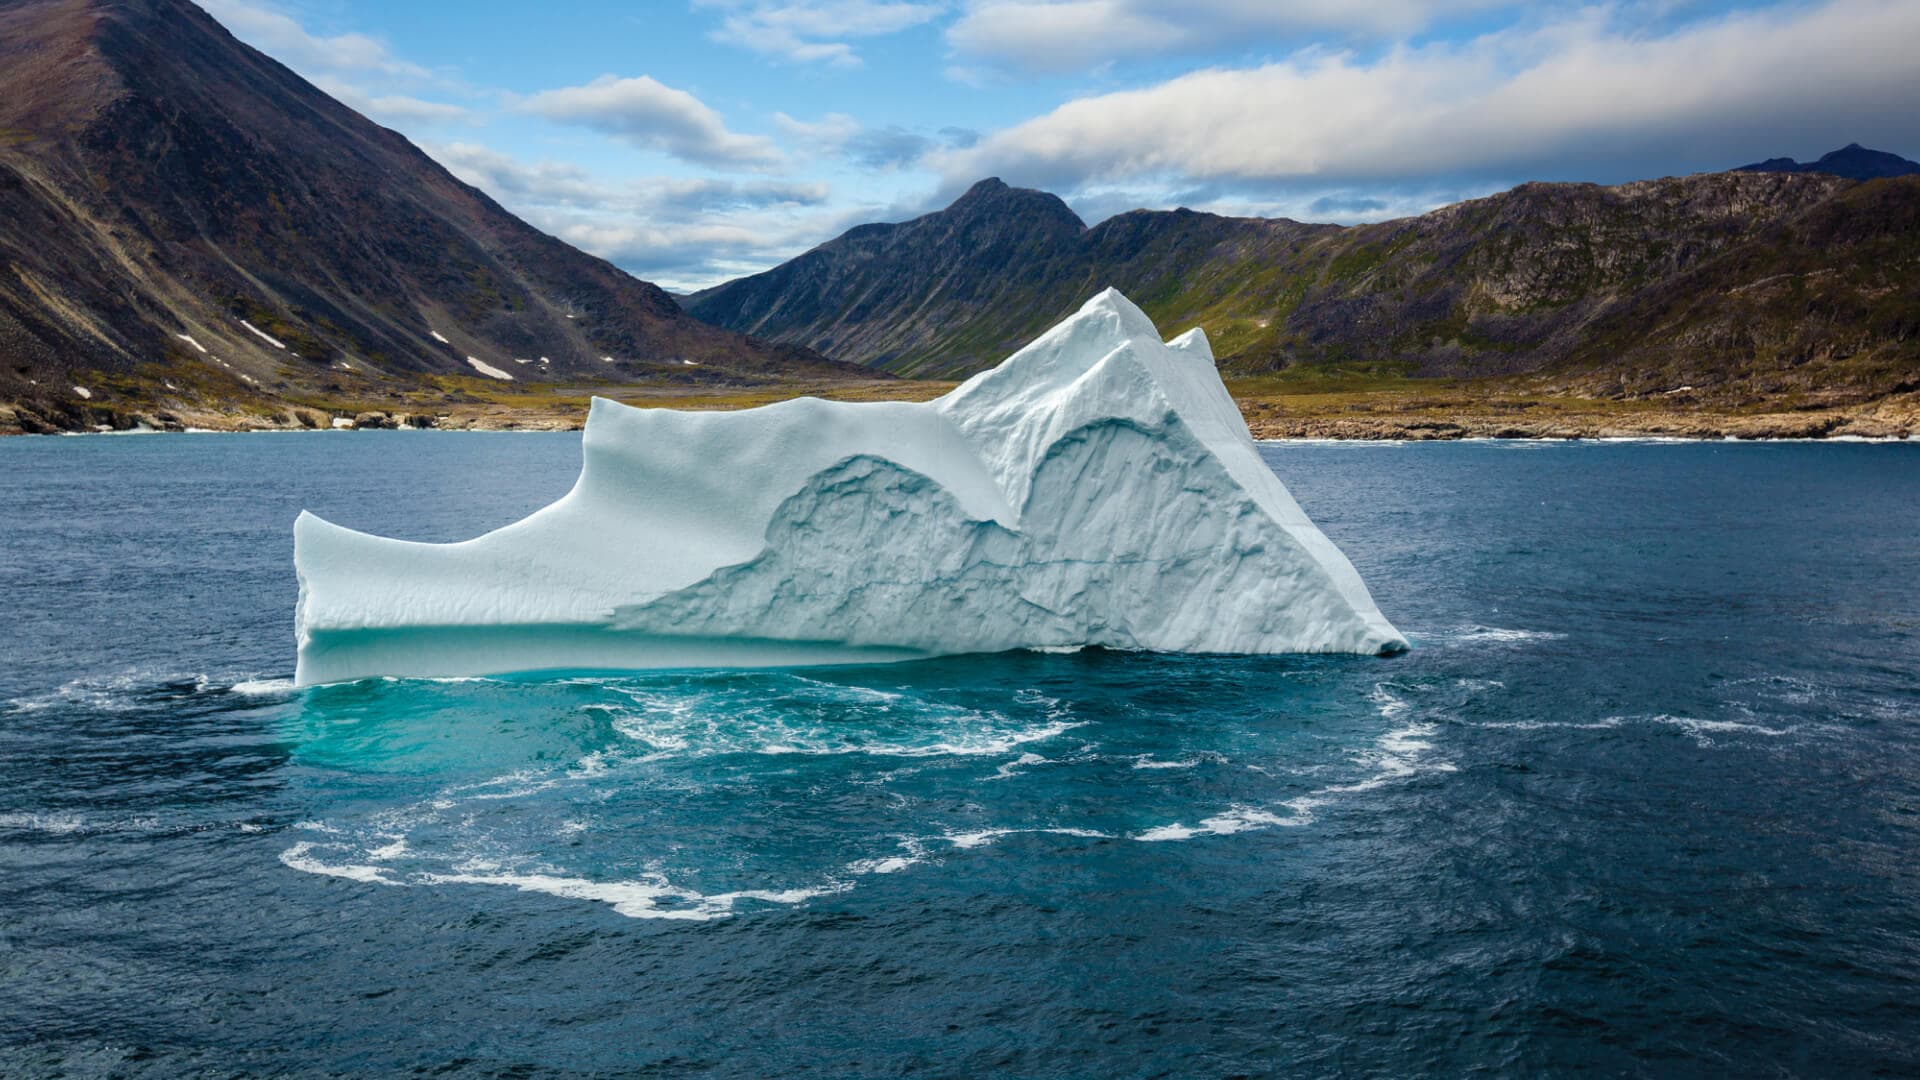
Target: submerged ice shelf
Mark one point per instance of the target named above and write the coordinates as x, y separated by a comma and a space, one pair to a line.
1097, 488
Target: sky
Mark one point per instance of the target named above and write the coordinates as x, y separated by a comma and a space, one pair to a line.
694, 141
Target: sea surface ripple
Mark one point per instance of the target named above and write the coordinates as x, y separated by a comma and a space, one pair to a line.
1644, 799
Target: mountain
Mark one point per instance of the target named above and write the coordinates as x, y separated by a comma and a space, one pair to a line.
1853, 161
1735, 284
891, 295
185, 223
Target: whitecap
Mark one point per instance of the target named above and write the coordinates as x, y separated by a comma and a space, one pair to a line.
1017, 766
1148, 761
984, 837
1703, 730
55, 824
300, 857
637, 899
1235, 819
891, 864
1474, 633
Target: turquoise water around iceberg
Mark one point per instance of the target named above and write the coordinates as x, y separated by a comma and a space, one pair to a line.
1644, 798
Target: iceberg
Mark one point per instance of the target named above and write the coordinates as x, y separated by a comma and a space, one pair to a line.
1097, 488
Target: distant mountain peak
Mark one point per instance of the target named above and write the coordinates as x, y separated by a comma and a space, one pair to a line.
1853, 161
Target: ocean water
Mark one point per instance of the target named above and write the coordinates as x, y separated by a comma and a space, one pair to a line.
1644, 799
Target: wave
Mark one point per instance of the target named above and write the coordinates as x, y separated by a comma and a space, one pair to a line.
1475, 634
807, 717
1233, 820
141, 688
1397, 754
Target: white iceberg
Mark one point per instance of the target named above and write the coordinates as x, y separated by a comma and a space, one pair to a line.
1097, 488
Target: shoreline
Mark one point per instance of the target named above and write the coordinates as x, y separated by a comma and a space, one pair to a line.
1611, 437
1272, 414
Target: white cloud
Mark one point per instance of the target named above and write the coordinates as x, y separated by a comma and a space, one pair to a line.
395, 108
878, 148
654, 116
814, 31
1580, 93
681, 232
276, 33
1068, 35
829, 133
560, 184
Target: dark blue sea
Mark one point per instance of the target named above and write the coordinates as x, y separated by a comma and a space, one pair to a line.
1644, 799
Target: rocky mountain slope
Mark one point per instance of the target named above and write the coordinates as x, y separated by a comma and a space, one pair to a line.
1727, 284
186, 223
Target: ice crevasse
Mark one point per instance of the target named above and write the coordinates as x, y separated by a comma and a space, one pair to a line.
1099, 487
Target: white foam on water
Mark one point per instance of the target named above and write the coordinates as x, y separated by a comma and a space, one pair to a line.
1017, 766
1390, 705
983, 837
1398, 754
653, 898
807, 717
1475, 634
984, 744
1236, 819
891, 864
518, 785
263, 687
590, 767
54, 824
300, 857
638, 899
122, 692
1148, 761
1541, 725
1703, 731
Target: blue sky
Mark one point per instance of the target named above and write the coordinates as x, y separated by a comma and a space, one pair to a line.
695, 141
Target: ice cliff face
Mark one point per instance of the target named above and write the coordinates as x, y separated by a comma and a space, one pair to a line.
1097, 488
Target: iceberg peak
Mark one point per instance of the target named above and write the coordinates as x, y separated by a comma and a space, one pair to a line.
1096, 488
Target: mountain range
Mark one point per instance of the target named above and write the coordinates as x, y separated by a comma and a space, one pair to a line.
1738, 286
1853, 161
191, 233
186, 224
